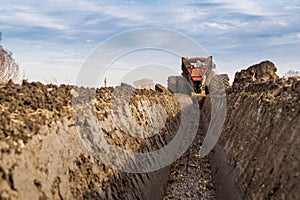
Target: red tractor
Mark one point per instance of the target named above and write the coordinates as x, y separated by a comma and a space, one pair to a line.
197, 76
196, 71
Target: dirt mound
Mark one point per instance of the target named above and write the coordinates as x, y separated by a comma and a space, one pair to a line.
257, 156
262, 72
43, 156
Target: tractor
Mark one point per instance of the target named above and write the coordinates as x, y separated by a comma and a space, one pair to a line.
197, 77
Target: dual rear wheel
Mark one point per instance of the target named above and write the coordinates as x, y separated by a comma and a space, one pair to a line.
217, 83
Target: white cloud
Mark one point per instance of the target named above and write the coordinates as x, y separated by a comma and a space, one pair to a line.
64, 31
250, 7
26, 16
292, 38
217, 25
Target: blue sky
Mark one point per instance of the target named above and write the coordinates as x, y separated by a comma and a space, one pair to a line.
51, 39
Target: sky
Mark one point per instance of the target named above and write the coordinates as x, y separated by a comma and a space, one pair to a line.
51, 40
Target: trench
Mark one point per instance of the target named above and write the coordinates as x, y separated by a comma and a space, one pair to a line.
44, 157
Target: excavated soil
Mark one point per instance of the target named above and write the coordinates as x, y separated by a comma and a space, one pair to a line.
44, 157
257, 156
49, 149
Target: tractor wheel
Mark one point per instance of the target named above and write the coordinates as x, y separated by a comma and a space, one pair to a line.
183, 86
225, 79
172, 83
178, 84
216, 84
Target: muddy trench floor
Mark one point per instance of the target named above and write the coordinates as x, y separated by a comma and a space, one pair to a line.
191, 176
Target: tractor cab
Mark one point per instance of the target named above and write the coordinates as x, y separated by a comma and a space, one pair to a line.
196, 67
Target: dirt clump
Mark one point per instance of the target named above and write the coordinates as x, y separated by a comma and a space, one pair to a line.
262, 72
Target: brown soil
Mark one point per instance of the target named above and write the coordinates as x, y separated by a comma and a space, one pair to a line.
42, 154
191, 176
258, 153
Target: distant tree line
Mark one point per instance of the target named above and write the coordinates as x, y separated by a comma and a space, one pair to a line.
9, 69
292, 73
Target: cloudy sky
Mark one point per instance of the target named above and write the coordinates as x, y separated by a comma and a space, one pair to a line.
52, 39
